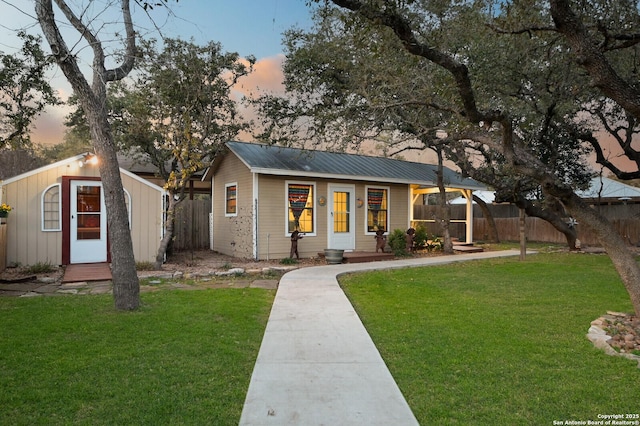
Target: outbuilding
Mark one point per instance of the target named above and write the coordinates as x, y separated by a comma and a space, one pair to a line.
261, 194
58, 214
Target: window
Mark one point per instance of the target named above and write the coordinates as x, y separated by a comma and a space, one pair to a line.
231, 199
300, 207
341, 212
51, 214
377, 209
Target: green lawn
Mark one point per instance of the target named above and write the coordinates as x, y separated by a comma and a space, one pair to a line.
500, 342
185, 357
495, 342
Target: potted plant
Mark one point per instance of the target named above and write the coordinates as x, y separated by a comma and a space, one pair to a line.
4, 210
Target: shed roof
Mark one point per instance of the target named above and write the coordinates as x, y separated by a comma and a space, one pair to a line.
277, 160
71, 160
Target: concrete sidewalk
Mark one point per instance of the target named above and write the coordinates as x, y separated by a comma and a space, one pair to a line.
317, 364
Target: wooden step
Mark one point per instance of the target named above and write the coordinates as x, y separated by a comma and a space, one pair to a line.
467, 249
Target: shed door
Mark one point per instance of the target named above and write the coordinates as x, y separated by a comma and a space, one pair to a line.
88, 223
342, 218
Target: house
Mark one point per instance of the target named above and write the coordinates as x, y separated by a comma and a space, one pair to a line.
261, 194
603, 190
59, 216
486, 196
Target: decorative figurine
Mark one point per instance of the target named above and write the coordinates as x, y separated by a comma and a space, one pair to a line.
295, 236
409, 239
381, 240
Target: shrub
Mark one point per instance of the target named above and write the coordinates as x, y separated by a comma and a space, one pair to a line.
420, 237
41, 268
397, 242
144, 266
288, 261
434, 244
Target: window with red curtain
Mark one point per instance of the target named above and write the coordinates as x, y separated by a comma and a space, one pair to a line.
377, 199
300, 205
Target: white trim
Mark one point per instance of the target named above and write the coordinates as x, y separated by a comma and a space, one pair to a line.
42, 227
331, 239
286, 207
319, 175
254, 212
44, 168
142, 180
366, 207
75, 159
410, 201
226, 186
129, 206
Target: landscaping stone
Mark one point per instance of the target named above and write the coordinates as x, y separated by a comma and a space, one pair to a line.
232, 271
617, 334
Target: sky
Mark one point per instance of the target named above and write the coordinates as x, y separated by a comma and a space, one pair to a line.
248, 27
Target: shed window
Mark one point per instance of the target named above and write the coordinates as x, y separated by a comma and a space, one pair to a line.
231, 199
51, 204
300, 207
377, 205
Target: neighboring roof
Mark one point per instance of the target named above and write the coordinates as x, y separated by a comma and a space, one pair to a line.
276, 160
141, 165
486, 196
602, 187
599, 188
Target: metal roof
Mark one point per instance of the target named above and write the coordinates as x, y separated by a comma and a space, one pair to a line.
602, 187
277, 160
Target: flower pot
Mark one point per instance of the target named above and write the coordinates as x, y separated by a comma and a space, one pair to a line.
4, 214
333, 256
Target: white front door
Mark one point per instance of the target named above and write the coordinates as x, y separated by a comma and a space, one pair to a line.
342, 219
88, 231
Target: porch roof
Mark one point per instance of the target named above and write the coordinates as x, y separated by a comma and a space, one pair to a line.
277, 160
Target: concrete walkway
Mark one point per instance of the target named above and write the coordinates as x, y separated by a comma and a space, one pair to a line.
317, 364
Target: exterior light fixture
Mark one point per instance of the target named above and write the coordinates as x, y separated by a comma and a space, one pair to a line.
89, 158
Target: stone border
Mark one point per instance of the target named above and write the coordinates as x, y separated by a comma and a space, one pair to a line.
599, 337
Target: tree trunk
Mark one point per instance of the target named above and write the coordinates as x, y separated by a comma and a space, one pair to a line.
169, 225
555, 220
126, 286
93, 99
491, 223
623, 259
444, 208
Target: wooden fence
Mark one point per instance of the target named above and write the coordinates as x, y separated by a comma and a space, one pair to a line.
624, 218
191, 230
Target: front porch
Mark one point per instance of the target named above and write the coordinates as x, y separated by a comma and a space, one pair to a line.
362, 256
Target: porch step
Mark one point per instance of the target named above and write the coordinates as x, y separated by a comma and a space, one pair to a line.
363, 256
467, 248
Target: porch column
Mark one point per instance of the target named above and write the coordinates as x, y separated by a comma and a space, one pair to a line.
468, 194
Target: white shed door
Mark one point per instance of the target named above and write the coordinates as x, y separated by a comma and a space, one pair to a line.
88, 232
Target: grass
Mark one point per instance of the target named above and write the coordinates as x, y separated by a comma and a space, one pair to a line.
184, 358
499, 342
